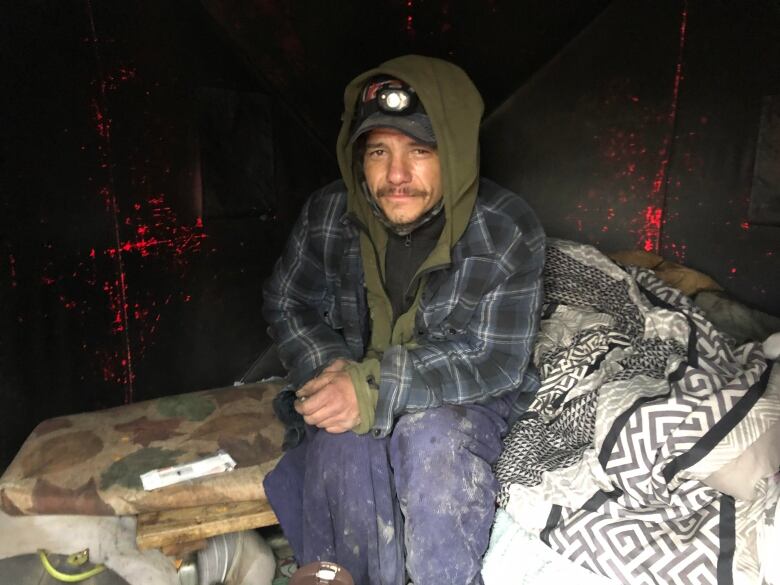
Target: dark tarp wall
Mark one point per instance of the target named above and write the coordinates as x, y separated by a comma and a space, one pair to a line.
310, 50
642, 134
153, 156
732, 62
123, 275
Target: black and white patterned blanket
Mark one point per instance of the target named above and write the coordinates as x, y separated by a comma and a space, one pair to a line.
641, 399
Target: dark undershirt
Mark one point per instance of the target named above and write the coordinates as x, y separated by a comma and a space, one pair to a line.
403, 257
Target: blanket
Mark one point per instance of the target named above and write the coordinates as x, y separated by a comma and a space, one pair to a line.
539, 565
641, 400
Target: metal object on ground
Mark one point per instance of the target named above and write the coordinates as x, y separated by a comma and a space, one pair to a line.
321, 573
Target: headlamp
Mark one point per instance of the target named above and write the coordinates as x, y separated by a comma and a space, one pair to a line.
389, 96
387, 102
396, 101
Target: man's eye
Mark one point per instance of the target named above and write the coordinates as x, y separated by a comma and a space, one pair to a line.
421, 151
375, 153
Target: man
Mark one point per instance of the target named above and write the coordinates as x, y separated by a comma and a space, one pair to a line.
404, 308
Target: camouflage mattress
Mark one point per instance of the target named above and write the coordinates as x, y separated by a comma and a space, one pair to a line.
91, 463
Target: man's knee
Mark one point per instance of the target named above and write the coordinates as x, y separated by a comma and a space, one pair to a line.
437, 430
448, 430
443, 450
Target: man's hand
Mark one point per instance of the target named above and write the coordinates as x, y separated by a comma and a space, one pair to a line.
328, 401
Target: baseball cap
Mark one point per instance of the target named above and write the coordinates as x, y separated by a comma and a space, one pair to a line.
386, 102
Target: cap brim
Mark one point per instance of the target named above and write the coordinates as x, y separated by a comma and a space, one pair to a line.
417, 126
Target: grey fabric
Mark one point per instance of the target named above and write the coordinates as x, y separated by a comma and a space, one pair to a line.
238, 558
215, 560
732, 317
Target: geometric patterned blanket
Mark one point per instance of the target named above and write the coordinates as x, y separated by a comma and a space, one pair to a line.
641, 399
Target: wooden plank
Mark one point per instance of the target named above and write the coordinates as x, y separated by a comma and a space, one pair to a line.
160, 529
182, 549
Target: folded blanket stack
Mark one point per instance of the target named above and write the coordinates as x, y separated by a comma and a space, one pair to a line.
642, 399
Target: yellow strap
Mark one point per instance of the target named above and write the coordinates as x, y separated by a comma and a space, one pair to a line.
65, 577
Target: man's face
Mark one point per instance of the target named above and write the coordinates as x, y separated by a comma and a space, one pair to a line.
403, 175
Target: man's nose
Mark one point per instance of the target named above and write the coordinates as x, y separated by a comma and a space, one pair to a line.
398, 171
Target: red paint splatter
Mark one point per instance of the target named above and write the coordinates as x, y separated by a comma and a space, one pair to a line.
110, 81
68, 304
146, 227
105, 192
113, 366
117, 294
409, 21
102, 124
179, 245
653, 225
12, 268
652, 229
677, 250
745, 225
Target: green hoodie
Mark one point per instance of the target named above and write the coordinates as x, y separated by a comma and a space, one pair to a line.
455, 109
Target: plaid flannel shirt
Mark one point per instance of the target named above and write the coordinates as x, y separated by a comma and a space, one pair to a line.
475, 326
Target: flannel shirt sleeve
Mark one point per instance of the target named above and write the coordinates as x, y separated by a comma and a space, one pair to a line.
486, 360
295, 296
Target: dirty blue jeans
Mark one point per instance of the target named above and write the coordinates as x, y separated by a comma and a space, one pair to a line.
417, 505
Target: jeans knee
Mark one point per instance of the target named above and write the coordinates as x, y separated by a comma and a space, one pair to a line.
431, 429
449, 449
425, 446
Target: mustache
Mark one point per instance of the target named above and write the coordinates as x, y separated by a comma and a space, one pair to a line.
408, 191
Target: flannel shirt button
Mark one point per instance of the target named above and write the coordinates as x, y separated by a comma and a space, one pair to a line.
420, 332
451, 331
376, 432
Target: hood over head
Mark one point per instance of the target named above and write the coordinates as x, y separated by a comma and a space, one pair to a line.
454, 107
